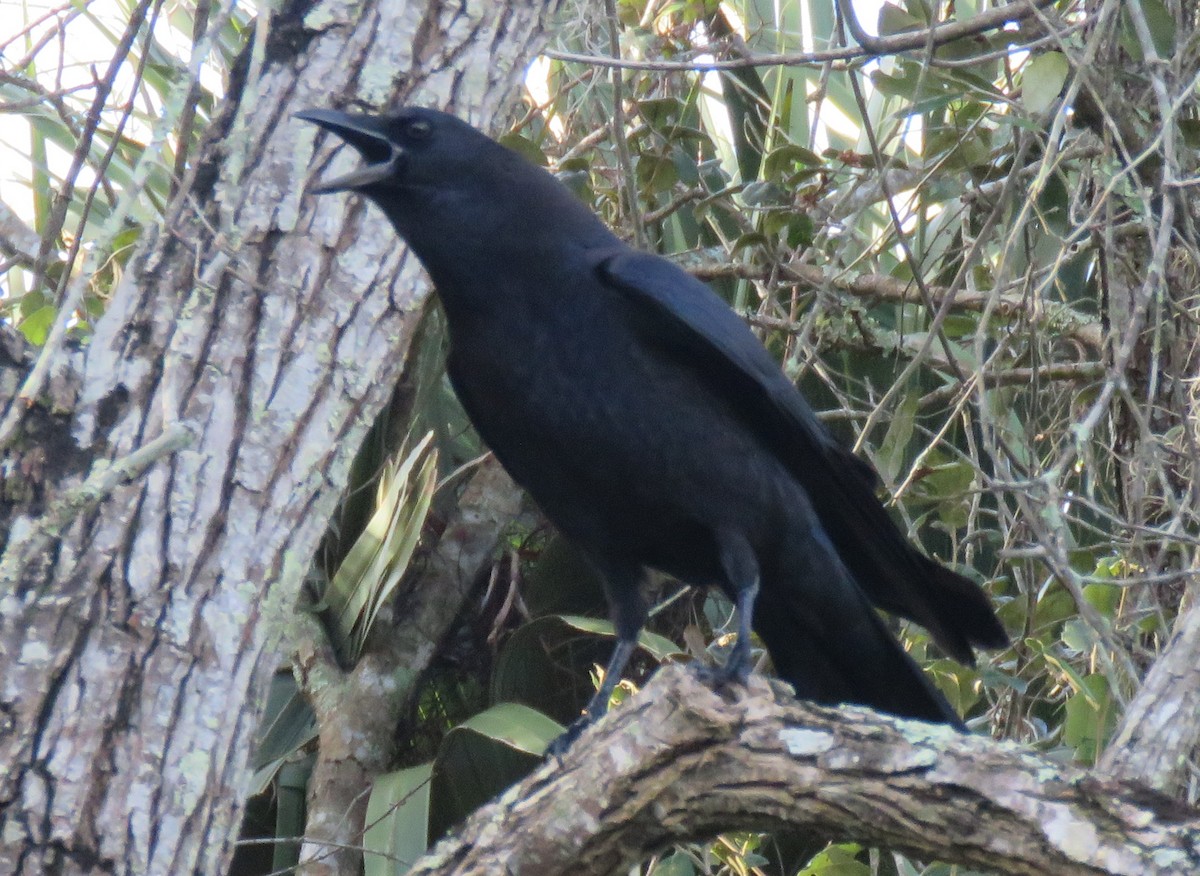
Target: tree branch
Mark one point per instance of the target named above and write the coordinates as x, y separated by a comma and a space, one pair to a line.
1160, 730
105, 476
680, 762
17, 240
358, 710
1064, 321
938, 35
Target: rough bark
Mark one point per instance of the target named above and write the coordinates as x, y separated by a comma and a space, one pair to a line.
1160, 730
358, 710
680, 762
270, 328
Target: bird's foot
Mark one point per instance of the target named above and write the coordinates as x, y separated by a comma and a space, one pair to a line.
735, 671
559, 745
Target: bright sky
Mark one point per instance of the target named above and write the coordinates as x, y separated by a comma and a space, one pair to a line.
72, 58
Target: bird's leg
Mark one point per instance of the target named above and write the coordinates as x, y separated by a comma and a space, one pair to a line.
598, 706
740, 566
629, 615
738, 665
599, 703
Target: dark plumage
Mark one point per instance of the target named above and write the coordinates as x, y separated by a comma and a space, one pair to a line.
652, 426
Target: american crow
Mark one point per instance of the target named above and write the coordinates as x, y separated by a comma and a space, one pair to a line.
651, 425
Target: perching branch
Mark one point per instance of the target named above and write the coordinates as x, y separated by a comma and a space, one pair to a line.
680, 762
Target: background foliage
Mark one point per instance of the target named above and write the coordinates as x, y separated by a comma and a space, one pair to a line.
950, 249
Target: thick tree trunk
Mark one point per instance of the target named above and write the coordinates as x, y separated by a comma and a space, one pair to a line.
249, 348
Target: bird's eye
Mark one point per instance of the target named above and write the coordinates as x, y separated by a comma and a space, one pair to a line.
418, 129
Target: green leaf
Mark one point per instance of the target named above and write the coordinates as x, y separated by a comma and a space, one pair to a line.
748, 240
562, 581
288, 726
1190, 129
783, 158
660, 112
794, 229
659, 647
515, 726
36, 326
677, 864
929, 104
526, 147
1053, 606
1053, 208
377, 561
893, 86
1162, 30
948, 485
1090, 719
893, 20
1077, 635
837, 860
1064, 666
656, 174
950, 479
1103, 597
397, 821
482, 757
764, 194
544, 662
288, 722
1043, 80
893, 451
996, 679
290, 813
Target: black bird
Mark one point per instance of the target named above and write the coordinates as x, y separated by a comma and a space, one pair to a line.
652, 427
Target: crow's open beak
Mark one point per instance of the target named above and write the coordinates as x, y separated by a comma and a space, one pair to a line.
366, 134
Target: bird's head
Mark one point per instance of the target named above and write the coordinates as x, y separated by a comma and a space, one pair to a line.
463, 202
408, 149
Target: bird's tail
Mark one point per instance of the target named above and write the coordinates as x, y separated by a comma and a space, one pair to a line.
960, 615
832, 646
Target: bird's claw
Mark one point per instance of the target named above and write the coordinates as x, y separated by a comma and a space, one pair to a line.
559, 745
721, 678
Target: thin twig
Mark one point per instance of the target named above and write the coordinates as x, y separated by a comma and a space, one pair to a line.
105, 477
937, 35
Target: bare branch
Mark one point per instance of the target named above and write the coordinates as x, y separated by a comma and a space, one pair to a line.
938, 35
105, 477
1064, 321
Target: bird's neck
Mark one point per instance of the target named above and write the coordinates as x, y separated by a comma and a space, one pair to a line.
498, 260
